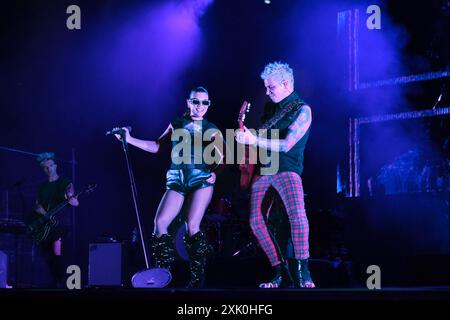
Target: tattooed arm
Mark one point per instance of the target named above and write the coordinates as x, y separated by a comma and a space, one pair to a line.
296, 131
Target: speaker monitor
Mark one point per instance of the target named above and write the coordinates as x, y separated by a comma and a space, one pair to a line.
113, 264
105, 264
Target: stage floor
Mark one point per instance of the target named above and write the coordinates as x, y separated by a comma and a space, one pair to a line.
181, 294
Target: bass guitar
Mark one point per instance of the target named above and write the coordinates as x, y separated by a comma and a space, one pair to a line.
39, 226
247, 163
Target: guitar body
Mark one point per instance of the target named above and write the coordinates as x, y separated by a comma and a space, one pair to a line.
247, 167
249, 159
40, 227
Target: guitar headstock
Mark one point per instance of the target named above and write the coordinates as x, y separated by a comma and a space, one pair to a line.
91, 187
242, 112
88, 188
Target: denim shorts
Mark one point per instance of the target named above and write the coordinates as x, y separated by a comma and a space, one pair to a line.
185, 181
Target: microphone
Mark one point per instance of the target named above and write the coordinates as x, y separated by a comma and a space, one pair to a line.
118, 131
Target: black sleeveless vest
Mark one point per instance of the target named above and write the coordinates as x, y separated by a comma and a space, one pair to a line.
293, 159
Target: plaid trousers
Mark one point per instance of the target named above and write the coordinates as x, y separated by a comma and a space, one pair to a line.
289, 186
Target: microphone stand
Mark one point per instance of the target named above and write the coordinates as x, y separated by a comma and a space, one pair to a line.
149, 277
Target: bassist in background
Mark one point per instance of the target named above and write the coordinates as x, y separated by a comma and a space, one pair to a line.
49, 195
292, 117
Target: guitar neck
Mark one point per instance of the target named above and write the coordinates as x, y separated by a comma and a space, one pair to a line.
60, 206
56, 209
242, 112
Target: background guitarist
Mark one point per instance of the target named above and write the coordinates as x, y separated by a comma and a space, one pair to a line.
292, 117
49, 195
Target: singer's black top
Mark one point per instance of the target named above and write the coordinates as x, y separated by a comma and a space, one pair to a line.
187, 142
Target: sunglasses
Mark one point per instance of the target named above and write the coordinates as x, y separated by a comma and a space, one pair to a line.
196, 101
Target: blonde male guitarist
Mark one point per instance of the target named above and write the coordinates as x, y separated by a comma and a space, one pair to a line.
291, 116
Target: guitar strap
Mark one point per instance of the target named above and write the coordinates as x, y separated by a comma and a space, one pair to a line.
280, 113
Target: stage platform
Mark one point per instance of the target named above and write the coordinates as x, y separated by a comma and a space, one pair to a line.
224, 295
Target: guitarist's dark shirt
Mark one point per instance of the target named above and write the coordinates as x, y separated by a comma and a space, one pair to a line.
51, 194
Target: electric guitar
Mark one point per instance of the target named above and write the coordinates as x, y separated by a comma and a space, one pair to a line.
39, 225
246, 165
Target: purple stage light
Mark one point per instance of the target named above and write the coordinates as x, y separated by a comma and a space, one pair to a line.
147, 53
196, 8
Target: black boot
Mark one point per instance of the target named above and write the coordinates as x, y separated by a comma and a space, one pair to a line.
56, 271
282, 278
198, 249
163, 251
302, 275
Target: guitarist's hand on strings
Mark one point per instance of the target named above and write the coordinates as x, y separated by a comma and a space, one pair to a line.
73, 200
39, 209
246, 137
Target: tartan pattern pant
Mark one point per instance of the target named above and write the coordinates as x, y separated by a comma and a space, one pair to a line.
289, 187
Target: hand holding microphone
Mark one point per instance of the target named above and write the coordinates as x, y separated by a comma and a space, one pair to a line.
120, 132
